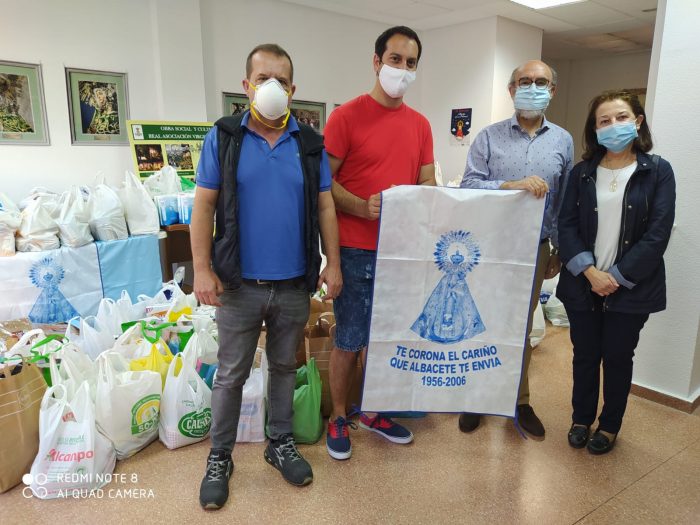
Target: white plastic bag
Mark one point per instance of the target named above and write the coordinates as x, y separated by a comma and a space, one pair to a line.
131, 344
127, 404
548, 287
140, 211
163, 182
202, 346
160, 303
73, 455
185, 413
26, 342
73, 219
107, 221
38, 230
10, 220
129, 311
93, 338
74, 369
109, 317
251, 425
40, 192
555, 312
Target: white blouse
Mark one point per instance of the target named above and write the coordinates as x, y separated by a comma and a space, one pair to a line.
610, 212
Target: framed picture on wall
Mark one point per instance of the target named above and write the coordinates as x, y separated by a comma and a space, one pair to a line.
234, 103
311, 113
22, 108
98, 106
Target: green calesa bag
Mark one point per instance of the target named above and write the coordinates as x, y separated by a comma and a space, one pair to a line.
307, 424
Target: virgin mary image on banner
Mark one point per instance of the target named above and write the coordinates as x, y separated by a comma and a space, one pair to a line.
450, 315
51, 306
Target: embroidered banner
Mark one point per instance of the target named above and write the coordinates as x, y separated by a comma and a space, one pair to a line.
51, 286
54, 286
453, 281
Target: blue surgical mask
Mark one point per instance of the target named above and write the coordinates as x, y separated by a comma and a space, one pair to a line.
532, 98
617, 136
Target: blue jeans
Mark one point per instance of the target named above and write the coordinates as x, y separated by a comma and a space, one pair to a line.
353, 307
284, 306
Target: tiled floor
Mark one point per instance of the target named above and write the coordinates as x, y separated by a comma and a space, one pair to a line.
490, 476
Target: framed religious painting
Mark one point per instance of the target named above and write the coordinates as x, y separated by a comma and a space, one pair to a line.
234, 103
22, 108
98, 105
311, 113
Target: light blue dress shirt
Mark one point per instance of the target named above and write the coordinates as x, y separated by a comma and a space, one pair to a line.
505, 152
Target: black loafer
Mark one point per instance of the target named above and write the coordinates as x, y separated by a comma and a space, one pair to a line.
600, 443
468, 422
578, 435
529, 421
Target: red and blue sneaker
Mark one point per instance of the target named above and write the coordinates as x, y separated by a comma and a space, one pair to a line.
386, 428
338, 438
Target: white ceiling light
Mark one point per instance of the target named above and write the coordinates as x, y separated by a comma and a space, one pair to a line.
543, 4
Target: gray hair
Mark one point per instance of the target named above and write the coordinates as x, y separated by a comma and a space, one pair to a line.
515, 71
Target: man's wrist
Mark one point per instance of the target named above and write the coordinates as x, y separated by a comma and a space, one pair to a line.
202, 267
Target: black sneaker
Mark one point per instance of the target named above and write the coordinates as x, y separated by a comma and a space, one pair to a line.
213, 492
282, 454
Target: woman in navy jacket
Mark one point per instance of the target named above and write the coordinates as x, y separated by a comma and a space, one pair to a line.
614, 225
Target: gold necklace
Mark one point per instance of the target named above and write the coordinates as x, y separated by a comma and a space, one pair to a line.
613, 182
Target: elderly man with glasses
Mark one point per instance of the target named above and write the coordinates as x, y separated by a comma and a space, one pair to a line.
525, 152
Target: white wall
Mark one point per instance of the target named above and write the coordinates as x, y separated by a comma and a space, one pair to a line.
457, 72
181, 54
332, 53
516, 43
468, 66
581, 80
178, 59
558, 106
104, 35
668, 357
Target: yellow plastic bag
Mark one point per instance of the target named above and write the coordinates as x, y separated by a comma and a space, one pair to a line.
158, 360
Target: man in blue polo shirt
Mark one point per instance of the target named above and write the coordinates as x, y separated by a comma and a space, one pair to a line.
267, 180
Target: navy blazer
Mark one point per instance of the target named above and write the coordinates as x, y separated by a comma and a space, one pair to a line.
648, 210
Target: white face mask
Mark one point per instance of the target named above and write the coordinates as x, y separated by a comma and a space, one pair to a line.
395, 81
271, 99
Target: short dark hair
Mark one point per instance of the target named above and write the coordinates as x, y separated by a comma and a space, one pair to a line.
273, 49
380, 44
643, 141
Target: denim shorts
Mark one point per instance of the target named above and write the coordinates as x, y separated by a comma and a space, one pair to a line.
353, 306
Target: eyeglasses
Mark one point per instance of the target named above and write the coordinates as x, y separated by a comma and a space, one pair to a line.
540, 83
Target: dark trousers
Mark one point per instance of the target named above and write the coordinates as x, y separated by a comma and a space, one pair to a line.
284, 306
610, 337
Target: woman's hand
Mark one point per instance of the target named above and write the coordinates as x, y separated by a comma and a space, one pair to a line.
602, 283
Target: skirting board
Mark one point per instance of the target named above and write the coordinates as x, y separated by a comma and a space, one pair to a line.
665, 399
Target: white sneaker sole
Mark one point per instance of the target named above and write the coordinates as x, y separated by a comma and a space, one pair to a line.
338, 455
397, 440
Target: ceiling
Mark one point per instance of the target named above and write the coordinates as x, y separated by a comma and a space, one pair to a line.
591, 28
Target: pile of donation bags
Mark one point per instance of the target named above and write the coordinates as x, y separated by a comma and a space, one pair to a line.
45, 220
136, 372
80, 401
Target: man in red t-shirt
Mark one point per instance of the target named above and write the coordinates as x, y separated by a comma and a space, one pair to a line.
373, 142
